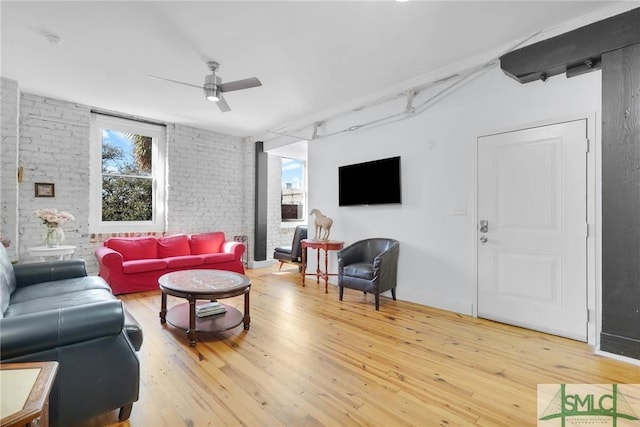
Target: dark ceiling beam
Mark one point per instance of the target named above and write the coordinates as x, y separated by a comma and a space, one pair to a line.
575, 52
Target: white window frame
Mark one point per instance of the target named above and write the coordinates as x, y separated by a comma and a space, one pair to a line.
158, 167
303, 220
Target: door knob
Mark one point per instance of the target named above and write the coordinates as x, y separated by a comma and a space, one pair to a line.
483, 239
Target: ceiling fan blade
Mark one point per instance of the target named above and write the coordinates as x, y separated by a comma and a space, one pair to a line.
174, 81
222, 105
239, 84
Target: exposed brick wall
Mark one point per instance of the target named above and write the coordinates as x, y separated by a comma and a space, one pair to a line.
54, 148
206, 181
276, 234
210, 178
9, 163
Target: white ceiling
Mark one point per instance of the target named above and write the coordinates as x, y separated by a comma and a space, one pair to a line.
311, 56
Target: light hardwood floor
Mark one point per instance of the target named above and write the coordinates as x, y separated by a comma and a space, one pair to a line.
311, 360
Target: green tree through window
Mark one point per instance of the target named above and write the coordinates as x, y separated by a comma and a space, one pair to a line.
126, 177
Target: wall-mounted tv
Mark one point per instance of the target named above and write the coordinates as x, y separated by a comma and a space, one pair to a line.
370, 183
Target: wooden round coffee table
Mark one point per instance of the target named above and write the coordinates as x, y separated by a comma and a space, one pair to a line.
203, 285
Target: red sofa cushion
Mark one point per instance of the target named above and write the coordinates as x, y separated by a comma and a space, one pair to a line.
216, 258
142, 265
171, 246
207, 243
132, 248
184, 261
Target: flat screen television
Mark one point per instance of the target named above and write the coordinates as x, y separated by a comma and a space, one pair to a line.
370, 183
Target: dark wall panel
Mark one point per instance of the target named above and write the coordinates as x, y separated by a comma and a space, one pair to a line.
621, 202
262, 164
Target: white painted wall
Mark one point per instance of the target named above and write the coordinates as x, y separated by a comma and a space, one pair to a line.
437, 147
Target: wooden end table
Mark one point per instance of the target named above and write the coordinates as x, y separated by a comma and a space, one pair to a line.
25, 393
206, 285
326, 245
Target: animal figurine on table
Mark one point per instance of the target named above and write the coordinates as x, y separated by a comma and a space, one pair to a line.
323, 224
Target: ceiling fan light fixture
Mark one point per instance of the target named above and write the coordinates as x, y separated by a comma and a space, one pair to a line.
210, 88
211, 95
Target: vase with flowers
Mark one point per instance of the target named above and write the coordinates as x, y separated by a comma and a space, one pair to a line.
53, 220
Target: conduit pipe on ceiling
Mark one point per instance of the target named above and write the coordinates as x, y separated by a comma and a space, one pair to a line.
410, 110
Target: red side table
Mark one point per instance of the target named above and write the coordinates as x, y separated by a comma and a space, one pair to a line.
326, 245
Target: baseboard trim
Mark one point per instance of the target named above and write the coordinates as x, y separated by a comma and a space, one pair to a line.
623, 346
259, 264
617, 357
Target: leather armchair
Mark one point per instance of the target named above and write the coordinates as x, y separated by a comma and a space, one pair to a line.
293, 253
369, 265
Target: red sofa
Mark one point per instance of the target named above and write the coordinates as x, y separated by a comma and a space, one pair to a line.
134, 264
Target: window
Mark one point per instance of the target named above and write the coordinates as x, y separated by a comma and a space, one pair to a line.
294, 189
127, 175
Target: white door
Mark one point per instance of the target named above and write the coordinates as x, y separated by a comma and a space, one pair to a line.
532, 254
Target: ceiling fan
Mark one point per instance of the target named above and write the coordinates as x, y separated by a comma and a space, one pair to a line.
213, 86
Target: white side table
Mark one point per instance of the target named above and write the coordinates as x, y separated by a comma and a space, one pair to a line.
45, 251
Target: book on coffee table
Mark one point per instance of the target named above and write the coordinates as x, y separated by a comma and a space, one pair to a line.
211, 313
208, 306
210, 309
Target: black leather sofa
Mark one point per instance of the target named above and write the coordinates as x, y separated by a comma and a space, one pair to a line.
54, 311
